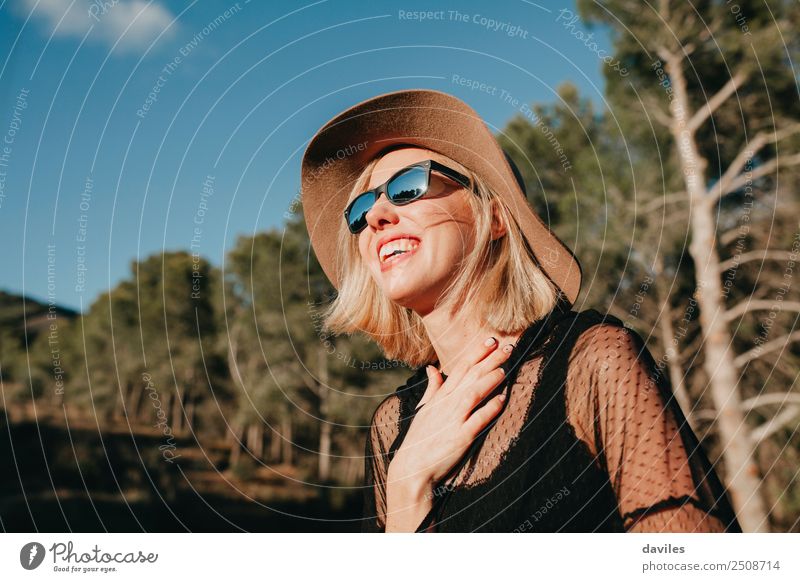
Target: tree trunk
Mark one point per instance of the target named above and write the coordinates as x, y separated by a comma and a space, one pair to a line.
275, 448
136, 402
286, 440
258, 435
742, 473
176, 411
325, 426
190, 409
671, 351
236, 444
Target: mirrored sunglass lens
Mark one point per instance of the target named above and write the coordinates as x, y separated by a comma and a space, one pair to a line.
408, 186
357, 217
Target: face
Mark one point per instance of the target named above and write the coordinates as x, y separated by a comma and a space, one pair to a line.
435, 232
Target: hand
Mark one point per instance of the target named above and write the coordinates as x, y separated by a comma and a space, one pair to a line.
446, 426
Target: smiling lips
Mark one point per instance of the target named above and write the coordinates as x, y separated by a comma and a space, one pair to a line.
396, 250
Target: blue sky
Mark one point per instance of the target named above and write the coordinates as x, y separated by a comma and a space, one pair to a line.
125, 122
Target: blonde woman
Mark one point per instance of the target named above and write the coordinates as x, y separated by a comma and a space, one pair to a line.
522, 414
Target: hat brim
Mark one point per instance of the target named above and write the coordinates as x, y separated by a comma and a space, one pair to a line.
429, 119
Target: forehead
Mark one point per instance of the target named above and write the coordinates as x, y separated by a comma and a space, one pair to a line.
398, 159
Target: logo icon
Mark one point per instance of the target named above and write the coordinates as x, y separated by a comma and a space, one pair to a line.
31, 555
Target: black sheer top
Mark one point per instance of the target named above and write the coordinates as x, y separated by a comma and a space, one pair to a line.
590, 439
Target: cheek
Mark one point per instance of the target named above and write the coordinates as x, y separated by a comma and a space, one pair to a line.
448, 245
449, 224
363, 245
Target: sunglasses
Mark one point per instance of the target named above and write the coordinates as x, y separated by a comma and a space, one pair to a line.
408, 184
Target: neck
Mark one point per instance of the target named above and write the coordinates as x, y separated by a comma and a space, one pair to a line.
455, 338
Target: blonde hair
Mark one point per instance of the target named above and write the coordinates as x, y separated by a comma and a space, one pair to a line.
501, 276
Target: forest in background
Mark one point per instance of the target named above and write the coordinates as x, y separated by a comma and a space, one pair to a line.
679, 198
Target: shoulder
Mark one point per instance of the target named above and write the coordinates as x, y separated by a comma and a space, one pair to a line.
611, 375
610, 362
388, 410
602, 340
384, 424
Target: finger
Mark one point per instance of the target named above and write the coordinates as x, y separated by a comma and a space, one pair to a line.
477, 354
434, 383
492, 361
487, 366
484, 415
472, 395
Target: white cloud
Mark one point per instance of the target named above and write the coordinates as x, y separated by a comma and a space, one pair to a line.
134, 23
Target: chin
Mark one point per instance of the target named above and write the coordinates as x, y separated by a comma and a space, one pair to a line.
404, 295
415, 297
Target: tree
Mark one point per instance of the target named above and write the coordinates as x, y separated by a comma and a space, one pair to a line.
731, 136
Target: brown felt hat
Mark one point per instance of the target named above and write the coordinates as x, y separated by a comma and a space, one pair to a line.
428, 119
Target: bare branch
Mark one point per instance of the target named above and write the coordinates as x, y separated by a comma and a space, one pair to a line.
729, 236
312, 385
759, 305
706, 414
682, 216
763, 170
766, 348
725, 184
660, 115
775, 424
690, 350
718, 99
657, 203
763, 254
770, 398
666, 55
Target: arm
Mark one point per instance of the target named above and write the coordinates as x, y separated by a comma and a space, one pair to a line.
382, 432
408, 502
391, 504
623, 413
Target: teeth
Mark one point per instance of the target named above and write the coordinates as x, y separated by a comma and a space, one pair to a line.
400, 244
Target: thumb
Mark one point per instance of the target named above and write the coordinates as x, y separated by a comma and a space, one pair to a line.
434, 382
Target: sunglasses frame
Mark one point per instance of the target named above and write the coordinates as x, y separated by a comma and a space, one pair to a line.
427, 165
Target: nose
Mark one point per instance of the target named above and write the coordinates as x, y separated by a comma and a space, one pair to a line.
382, 213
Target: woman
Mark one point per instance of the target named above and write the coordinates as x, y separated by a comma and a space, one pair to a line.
522, 414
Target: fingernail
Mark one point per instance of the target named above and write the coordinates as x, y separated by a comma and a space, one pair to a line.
507, 348
489, 342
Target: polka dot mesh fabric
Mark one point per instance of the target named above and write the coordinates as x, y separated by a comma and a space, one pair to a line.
589, 439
